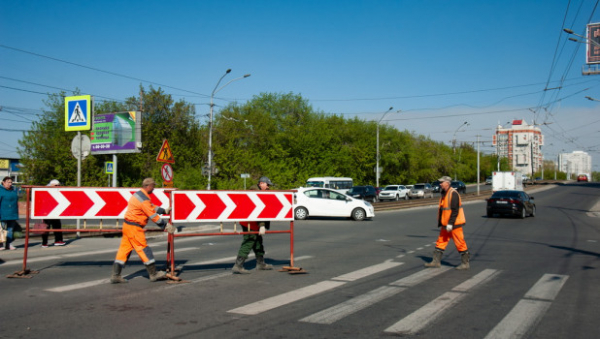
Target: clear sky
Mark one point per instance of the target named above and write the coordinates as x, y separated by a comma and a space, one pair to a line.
442, 63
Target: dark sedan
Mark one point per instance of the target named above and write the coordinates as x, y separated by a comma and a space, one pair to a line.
516, 203
459, 186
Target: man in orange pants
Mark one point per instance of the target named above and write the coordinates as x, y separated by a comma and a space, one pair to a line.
451, 219
139, 210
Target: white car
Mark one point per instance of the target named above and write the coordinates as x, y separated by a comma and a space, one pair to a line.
394, 192
324, 202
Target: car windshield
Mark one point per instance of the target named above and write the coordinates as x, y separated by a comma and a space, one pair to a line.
418, 187
355, 189
505, 194
391, 188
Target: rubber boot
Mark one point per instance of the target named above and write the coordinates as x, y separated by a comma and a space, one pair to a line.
436, 262
261, 265
116, 275
238, 268
464, 261
154, 275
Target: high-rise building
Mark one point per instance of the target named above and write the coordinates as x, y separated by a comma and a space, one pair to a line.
575, 163
522, 144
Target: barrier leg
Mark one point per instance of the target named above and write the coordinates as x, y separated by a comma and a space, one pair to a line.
25, 273
171, 275
292, 269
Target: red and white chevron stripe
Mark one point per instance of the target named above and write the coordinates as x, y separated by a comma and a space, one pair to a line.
216, 206
86, 203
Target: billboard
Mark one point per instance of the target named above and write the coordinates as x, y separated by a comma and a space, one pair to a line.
592, 55
117, 133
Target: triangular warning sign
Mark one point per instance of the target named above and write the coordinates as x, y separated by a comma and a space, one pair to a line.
165, 154
77, 115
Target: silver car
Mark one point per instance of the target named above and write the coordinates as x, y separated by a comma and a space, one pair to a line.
421, 191
394, 192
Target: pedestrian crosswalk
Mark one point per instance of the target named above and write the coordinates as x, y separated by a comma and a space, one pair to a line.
520, 321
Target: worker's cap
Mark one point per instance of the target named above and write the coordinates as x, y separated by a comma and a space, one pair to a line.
148, 182
54, 182
445, 178
265, 180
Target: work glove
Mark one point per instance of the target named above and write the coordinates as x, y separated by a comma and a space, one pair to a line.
170, 228
262, 230
168, 210
449, 228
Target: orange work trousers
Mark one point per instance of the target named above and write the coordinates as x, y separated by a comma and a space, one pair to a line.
456, 234
134, 238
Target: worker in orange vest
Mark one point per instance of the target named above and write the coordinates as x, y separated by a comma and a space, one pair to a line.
451, 219
139, 210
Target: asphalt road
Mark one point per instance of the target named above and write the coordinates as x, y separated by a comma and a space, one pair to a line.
531, 278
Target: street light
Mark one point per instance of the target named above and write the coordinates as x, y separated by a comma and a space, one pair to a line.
377, 166
210, 122
569, 31
454, 145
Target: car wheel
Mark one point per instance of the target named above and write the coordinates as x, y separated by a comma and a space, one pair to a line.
533, 211
397, 197
300, 213
374, 200
358, 214
406, 197
523, 213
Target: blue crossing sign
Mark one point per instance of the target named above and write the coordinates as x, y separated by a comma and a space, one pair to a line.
109, 167
78, 112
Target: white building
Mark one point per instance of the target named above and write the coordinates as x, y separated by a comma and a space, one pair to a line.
522, 144
575, 163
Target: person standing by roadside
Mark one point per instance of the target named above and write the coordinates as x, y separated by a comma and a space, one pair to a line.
139, 210
9, 211
54, 224
451, 219
253, 242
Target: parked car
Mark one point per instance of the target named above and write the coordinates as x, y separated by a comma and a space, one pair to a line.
394, 192
325, 202
459, 186
517, 203
488, 180
421, 191
435, 186
363, 192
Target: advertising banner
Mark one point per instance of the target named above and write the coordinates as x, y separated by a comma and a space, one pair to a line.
117, 133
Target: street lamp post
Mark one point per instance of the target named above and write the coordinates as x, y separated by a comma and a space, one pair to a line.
210, 122
377, 165
454, 145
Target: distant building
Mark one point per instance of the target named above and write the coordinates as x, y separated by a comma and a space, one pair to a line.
575, 163
11, 168
521, 144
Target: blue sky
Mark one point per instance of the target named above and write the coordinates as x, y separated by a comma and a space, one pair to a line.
442, 63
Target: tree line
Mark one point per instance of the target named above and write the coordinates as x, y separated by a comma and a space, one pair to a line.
278, 135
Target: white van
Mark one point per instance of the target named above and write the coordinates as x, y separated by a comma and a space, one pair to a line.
340, 184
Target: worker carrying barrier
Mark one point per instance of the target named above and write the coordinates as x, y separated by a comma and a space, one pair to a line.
232, 206
88, 203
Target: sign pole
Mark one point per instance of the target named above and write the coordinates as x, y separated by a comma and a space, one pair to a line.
114, 175
79, 172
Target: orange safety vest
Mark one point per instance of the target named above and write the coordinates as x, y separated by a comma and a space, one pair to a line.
447, 211
140, 209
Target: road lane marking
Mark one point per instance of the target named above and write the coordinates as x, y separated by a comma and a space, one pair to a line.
528, 312
427, 314
420, 276
352, 276
335, 313
286, 298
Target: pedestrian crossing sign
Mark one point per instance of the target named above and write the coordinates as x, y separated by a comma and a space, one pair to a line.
78, 112
165, 154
